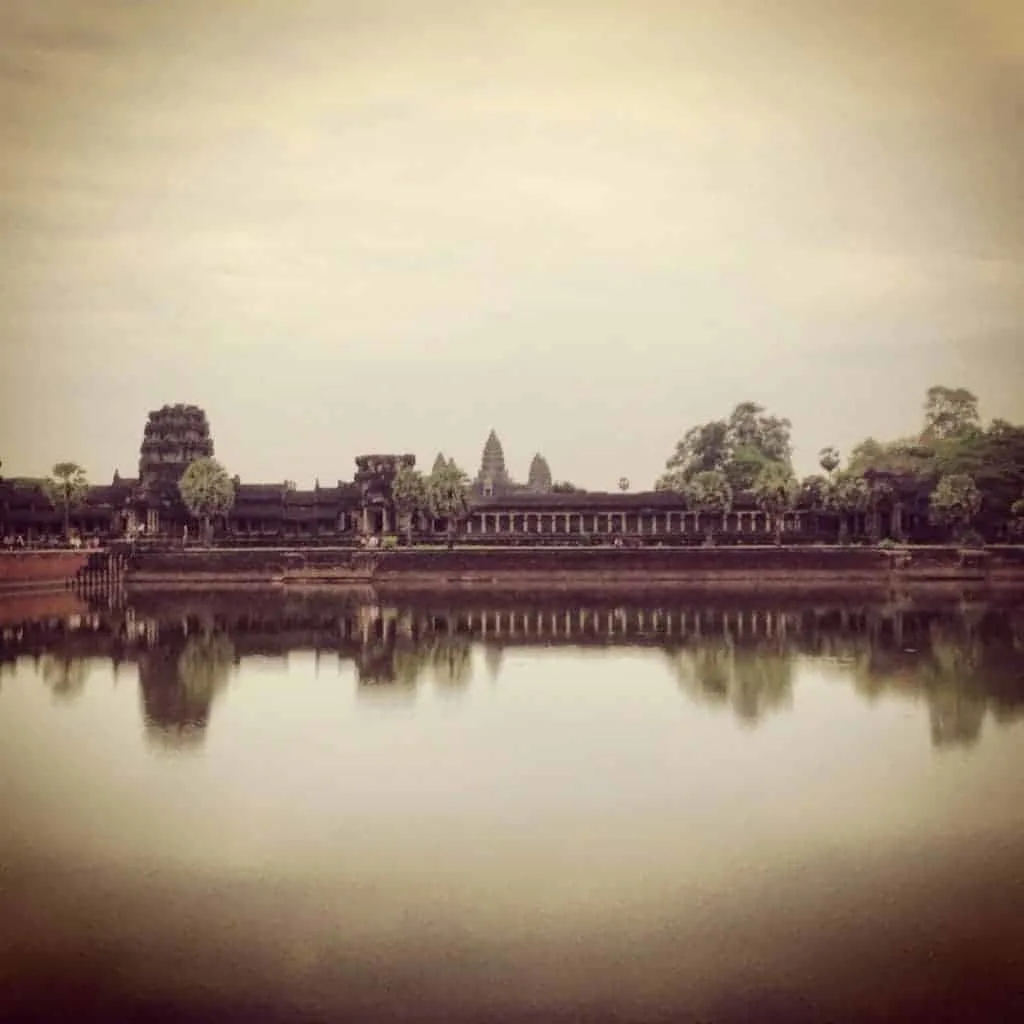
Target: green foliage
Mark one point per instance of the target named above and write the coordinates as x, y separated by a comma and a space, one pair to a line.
906, 457
410, 494
206, 490
956, 502
847, 493
709, 492
828, 459
814, 491
949, 412
671, 481
739, 447
994, 459
66, 487
702, 449
448, 493
776, 491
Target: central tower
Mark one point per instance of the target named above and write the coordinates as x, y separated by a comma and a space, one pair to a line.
493, 476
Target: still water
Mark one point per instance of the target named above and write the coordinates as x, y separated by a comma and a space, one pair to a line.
261, 806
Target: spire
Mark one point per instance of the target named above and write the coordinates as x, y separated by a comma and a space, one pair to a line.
439, 463
539, 479
492, 477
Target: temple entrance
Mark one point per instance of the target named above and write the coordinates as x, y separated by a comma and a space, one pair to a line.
376, 520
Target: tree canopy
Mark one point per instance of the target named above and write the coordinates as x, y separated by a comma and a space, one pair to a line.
776, 491
410, 494
953, 443
949, 412
66, 487
448, 493
739, 447
206, 490
956, 502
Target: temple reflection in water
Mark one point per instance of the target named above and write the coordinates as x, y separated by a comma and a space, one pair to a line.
962, 658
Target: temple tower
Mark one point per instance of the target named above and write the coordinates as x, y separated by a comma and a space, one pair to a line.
493, 476
539, 479
173, 437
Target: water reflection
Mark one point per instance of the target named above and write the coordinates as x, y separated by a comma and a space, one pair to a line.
964, 659
488, 808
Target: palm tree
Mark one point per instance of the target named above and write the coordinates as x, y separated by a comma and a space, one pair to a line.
66, 488
847, 495
776, 491
828, 459
207, 491
709, 492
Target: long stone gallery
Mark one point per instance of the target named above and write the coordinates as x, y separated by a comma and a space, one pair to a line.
498, 510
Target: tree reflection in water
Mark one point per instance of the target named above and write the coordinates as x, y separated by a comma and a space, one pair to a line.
749, 680
963, 659
179, 679
64, 675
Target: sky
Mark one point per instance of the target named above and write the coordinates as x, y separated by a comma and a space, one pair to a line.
353, 226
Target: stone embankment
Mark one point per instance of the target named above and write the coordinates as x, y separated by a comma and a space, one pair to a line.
522, 568
28, 570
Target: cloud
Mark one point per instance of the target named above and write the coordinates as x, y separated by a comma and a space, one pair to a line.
667, 192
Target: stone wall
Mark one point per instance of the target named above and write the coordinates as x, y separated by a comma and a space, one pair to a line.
38, 568
563, 566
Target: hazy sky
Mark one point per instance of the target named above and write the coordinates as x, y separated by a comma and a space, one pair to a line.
347, 227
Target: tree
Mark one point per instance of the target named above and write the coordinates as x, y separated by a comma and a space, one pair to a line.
447, 495
768, 436
207, 491
814, 491
1017, 522
565, 487
709, 492
439, 463
701, 449
994, 459
776, 491
740, 446
828, 459
409, 492
671, 481
949, 412
847, 495
66, 488
956, 502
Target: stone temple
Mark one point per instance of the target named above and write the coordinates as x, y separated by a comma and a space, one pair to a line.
493, 479
501, 510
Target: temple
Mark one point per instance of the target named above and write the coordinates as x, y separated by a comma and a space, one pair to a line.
500, 509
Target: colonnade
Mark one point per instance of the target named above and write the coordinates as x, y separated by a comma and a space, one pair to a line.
651, 524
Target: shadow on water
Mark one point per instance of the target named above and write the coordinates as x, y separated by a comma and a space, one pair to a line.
964, 658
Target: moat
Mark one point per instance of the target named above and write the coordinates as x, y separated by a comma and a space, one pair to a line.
305, 804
